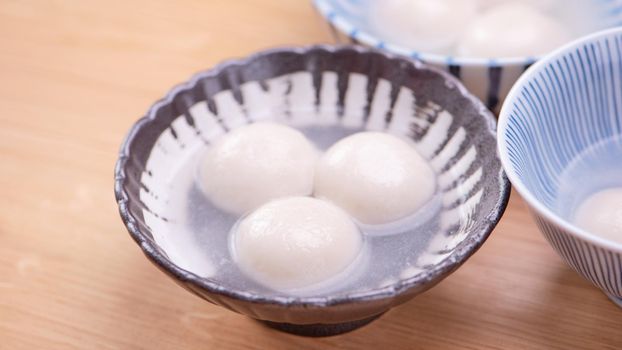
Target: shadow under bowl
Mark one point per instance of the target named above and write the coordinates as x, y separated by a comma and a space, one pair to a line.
318, 86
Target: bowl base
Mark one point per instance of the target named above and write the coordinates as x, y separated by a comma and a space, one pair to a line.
319, 329
616, 300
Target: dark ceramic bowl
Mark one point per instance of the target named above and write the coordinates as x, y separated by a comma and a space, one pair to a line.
351, 87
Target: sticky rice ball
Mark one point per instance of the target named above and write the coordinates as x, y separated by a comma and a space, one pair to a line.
601, 214
512, 29
376, 177
256, 163
422, 25
542, 5
295, 242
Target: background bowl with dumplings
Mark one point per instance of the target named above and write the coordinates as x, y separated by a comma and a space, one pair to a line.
490, 79
568, 106
351, 87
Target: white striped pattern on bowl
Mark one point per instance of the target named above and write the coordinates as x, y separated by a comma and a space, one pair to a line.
567, 102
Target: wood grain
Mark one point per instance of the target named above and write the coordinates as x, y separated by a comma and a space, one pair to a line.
76, 74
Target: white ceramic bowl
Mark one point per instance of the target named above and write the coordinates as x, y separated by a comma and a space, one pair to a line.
488, 79
567, 102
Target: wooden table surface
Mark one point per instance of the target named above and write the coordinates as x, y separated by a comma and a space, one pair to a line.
74, 75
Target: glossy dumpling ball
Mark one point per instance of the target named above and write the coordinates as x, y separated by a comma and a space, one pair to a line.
257, 163
294, 243
376, 177
423, 25
543, 5
601, 214
512, 29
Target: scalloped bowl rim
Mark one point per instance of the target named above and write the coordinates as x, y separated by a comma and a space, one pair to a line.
462, 252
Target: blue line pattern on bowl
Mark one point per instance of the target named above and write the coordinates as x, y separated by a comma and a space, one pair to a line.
568, 102
490, 80
565, 107
600, 266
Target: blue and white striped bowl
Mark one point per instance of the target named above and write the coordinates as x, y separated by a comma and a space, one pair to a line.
488, 79
567, 102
